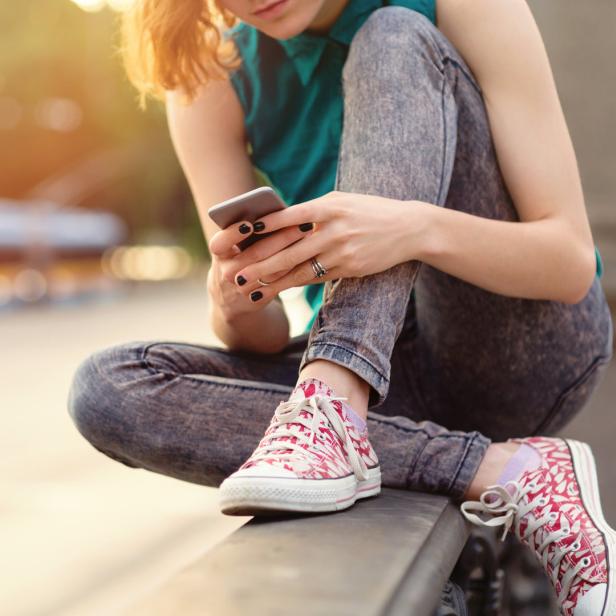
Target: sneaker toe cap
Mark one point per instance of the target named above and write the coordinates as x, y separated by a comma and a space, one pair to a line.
264, 470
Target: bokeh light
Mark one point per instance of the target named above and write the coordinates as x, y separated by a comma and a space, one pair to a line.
92, 6
154, 263
59, 114
30, 285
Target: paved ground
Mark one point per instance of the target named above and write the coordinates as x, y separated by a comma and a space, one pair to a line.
82, 535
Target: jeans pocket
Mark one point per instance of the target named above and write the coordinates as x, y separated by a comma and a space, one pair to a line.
574, 398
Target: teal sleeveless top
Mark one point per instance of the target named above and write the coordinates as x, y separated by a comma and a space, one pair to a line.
291, 94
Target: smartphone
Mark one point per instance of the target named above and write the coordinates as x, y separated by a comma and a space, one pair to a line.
250, 206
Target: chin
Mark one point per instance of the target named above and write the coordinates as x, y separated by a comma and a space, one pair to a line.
297, 18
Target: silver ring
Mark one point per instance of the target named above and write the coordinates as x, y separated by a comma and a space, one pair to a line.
263, 284
317, 268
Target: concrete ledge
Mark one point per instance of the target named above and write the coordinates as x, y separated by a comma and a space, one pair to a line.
387, 555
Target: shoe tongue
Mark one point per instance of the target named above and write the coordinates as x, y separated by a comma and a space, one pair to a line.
311, 387
315, 387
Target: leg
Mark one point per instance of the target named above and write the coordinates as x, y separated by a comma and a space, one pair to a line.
404, 147
183, 410
196, 413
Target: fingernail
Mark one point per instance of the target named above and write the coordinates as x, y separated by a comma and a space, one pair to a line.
306, 226
241, 280
244, 228
255, 296
258, 226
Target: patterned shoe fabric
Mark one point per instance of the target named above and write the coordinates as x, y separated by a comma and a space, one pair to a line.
312, 458
555, 509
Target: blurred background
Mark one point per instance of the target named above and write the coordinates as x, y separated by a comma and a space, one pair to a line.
100, 244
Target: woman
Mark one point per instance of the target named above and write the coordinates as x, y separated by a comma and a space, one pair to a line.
435, 190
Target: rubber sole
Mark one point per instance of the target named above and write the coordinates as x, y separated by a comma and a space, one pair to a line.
586, 474
271, 495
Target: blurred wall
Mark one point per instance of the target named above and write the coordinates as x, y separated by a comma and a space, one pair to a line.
580, 40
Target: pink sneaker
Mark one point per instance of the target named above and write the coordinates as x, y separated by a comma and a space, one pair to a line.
556, 511
311, 459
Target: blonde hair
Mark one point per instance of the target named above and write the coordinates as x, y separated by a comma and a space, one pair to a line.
176, 44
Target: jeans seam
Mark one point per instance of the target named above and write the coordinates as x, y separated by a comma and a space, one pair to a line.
271, 358
187, 377
414, 465
449, 60
444, 148
469, 443
443, 54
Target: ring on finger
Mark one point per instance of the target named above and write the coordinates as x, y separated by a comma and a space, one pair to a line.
262, 283
318, 269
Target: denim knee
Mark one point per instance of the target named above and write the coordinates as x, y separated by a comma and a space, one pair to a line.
390, 35
95, 402
397, 38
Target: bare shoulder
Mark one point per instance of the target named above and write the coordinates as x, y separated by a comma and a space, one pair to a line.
502, 45
215, 109
489, 33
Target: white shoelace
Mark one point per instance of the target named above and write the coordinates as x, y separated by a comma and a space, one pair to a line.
512, 507
321, 409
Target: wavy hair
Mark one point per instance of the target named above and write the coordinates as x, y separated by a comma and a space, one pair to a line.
176, 44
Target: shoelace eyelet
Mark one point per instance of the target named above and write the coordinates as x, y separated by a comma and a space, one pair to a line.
576, 546
586, 561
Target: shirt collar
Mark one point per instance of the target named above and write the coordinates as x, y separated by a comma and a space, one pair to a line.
305, 49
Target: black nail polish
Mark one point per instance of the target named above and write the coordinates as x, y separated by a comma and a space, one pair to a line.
244, 228
258, 226
241, 280
255, 296
306, 226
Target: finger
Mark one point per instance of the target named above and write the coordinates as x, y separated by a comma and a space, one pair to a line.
267, 247
223, 241
314, 211
286, 259
249, 287
302, 275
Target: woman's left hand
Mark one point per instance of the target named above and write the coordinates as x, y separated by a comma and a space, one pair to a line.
354, 235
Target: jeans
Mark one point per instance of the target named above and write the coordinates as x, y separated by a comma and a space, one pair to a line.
451, 366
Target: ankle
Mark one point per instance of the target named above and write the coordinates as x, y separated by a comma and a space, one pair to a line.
491, 468
342, 381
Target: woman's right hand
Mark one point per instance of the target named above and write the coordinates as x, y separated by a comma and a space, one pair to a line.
228, 260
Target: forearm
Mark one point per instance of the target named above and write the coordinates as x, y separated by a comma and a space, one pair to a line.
536, 260
264, 331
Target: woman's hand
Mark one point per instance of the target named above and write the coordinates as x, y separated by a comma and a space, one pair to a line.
353, 235
227, 260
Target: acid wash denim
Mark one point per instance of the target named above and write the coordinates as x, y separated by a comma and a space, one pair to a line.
451, 366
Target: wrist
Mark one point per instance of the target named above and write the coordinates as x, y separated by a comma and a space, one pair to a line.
420, 231
229, 315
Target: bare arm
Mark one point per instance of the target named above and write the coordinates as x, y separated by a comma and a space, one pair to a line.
550, 254
208, 136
